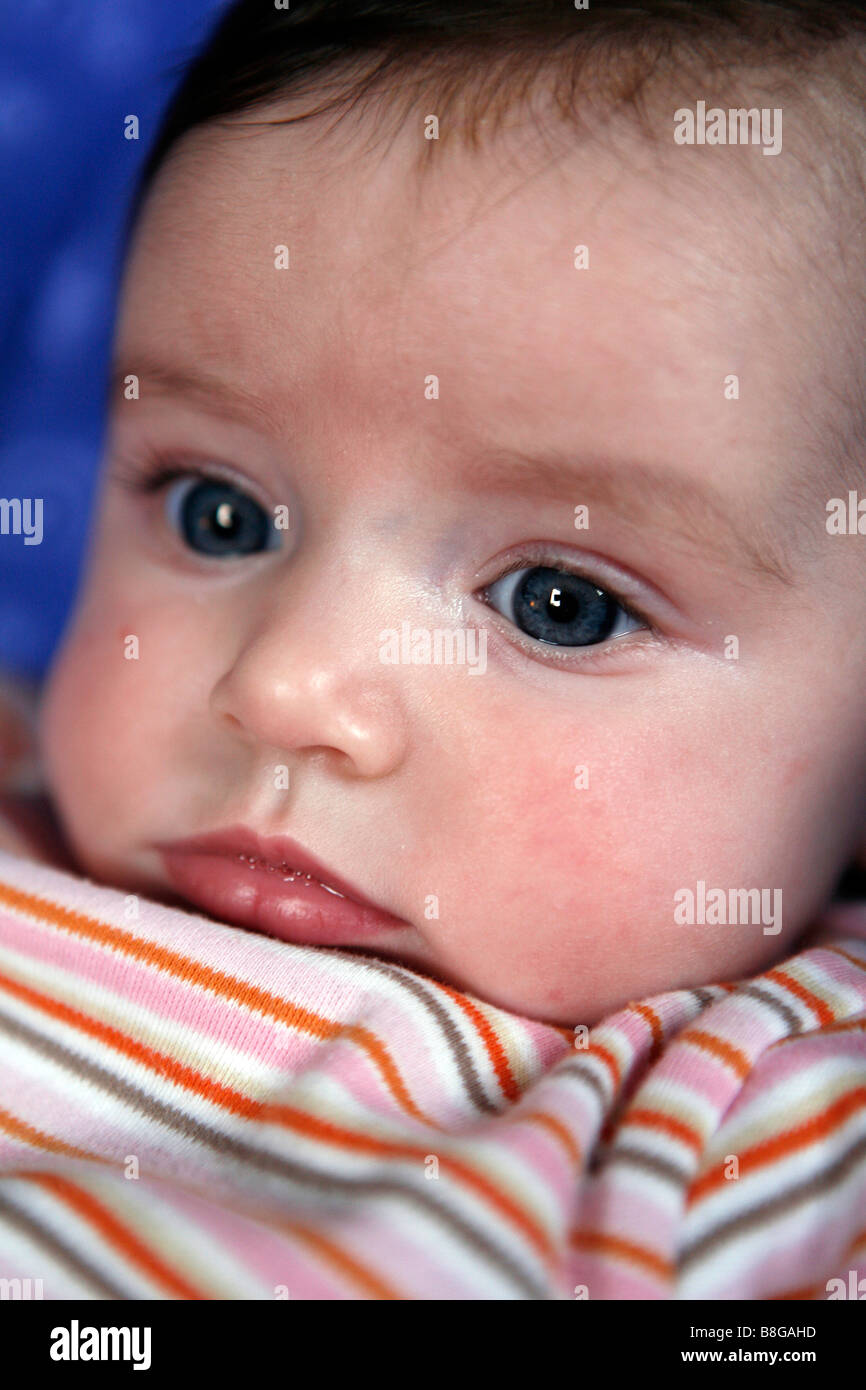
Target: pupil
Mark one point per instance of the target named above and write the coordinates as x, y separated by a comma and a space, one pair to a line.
561, 607
217, 519
555, 606
225, 517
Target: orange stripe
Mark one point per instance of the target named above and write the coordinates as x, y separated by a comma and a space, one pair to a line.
599, 1242
853, 1025
545, 1121
326, 1132
782, 1145
377, 1050
731, 1056
267, 1113
39, 1140
650, 1017
817, 1005
224, 985
492, 1043
611, 1121
344, 1262
596, 1049
667, 1124
118, 1235
166, 1067
853, 960
162, 1065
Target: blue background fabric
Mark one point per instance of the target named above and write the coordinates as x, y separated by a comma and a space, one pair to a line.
69, 75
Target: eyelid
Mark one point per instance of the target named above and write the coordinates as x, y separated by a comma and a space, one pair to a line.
147, 468
584, 561
591, 568
149, 471
632, 647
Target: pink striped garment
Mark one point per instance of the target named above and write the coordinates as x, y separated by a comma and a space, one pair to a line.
192, 1111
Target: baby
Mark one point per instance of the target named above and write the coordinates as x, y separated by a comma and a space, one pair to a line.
468, 585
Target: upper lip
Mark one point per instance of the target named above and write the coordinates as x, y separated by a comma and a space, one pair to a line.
276, 850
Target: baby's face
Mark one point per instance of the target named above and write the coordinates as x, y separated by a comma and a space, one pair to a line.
665, 689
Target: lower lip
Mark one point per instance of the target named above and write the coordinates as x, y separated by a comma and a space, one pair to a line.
267, 899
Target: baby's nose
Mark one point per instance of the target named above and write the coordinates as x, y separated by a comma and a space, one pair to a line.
301, 687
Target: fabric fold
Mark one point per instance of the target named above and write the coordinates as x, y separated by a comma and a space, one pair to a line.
190, 1110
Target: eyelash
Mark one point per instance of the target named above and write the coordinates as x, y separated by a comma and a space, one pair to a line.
148, 472
529, 557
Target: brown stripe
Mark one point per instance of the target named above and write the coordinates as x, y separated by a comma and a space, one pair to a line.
203, 977
579, 1071
792, 1197
820, 1008
282, 1168
578, 1067
650, 1163
114, 1232
785, 1012
456, 1043
706, 997
60, 1250
170, 1070
92, 928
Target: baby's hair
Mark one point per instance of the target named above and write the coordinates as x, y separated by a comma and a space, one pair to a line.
470, 62
488, 54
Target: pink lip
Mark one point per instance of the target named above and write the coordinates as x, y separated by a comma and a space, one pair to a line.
257, 881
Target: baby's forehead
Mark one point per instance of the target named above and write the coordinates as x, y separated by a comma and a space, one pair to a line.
491, 250
605, 291
384, 198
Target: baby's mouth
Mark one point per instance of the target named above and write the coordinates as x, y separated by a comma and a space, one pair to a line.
272, 885
287, 874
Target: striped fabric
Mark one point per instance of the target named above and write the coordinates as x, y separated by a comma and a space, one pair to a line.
193, 1111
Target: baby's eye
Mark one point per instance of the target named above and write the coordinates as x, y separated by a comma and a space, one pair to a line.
216, 518
559, 607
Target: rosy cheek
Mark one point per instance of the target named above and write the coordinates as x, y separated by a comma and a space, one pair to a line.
67, 722
796, 769
553, 816
88, 693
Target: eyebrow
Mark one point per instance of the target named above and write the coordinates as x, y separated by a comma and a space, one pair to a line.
205, 389
648, 496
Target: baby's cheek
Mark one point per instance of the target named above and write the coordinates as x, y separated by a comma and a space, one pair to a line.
590, 834
97, 746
